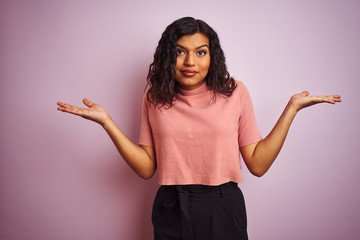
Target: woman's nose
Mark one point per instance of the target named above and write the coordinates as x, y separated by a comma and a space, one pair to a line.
189, 60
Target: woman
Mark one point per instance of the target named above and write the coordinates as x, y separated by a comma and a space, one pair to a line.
196, 120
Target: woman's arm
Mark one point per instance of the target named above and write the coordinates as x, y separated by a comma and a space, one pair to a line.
140, 158
259, 156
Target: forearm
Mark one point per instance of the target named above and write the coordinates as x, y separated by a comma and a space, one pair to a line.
268, 149
143, 163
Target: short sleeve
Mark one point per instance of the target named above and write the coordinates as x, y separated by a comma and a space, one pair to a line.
145, 132
248, 130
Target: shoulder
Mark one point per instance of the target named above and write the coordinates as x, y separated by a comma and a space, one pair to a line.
146, 97
240, 89
240, 85
241, 94
146, 104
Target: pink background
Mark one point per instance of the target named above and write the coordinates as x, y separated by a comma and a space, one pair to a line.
62, 178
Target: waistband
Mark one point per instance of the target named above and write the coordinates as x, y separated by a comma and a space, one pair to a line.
196, 190
186, 192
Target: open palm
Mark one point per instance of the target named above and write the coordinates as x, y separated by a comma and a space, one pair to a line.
303, 100
93, 112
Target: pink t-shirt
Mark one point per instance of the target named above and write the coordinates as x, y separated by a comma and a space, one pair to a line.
197, 141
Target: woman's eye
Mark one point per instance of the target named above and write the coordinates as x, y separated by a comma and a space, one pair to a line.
180, 52
201, 53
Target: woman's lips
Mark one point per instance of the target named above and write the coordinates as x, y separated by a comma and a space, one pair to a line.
189, 73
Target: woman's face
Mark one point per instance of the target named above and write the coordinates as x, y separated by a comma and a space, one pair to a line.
193, 60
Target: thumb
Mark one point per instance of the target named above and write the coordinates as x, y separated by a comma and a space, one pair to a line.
305, 93
88, 103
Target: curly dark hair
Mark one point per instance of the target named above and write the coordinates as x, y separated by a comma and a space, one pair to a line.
161, 76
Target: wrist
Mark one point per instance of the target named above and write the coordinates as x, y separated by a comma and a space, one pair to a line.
107, 122
291, 108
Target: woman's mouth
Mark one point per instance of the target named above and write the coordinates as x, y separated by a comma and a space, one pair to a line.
189, 73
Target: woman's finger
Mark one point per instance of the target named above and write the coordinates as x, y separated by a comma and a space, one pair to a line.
69, 108
88, 103
61, 104
304, 93
330, 99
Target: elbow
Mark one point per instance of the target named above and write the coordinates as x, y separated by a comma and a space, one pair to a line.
146, 175
258, 169
258, 172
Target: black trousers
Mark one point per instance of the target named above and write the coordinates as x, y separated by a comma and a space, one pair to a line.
198, 212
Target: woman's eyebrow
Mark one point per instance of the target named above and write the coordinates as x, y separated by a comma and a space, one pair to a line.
204, 45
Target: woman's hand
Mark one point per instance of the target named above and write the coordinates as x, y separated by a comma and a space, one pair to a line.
140, 158
259, 156
303, 100
94, 112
